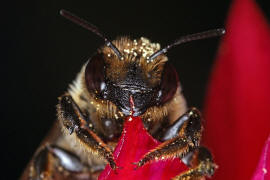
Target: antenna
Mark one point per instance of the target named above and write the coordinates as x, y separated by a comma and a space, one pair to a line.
90, 27
188, 38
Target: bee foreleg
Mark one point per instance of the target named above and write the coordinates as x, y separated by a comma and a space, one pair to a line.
74, 121
189, 125
50, 157
201, 162
180, 139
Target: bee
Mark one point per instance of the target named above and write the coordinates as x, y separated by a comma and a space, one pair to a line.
90, 115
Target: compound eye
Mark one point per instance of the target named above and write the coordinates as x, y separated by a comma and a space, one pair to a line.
95, 75
169, 83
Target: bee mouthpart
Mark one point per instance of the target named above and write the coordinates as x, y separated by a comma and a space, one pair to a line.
128, 112
131, 104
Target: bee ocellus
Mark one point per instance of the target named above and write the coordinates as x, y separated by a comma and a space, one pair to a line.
90, 115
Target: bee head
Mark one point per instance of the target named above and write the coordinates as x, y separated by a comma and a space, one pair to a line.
150, 83
139, 69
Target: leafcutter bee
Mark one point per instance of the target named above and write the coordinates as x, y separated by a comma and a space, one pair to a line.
90, 115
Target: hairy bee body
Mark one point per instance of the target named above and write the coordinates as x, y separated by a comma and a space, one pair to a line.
124, 77
105, 117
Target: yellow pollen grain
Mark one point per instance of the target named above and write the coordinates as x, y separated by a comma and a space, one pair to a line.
126, 51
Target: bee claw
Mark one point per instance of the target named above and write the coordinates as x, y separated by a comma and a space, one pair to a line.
137, 165
116, 168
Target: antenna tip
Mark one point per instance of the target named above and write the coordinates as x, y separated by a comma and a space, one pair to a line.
62, 12
222, 31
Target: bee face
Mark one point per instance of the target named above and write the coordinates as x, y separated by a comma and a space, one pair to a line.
138, 69
149, 83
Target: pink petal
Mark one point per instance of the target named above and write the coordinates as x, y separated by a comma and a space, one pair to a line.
238, 100
133, 144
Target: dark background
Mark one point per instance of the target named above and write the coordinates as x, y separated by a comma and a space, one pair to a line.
43, 52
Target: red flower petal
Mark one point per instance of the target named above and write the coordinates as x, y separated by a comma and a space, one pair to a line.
133, 144
238, 100
263, 168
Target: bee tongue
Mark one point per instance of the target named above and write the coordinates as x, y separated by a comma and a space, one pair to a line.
131, 103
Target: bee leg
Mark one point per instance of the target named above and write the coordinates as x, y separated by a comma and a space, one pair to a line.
42, 166
74, 121
49, 157
177, 128
201, 162
186, 137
